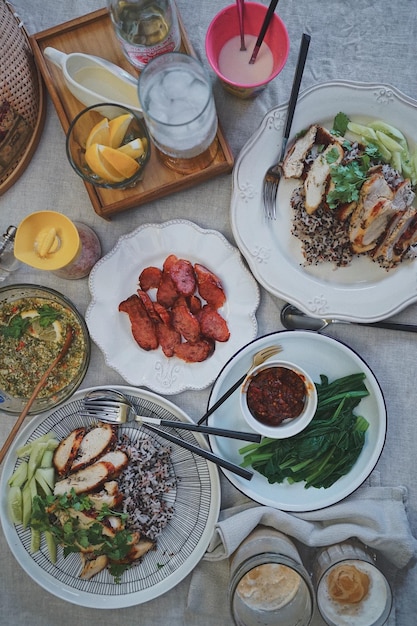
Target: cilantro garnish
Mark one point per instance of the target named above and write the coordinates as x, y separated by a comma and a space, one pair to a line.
47, 315
18, 325
340, 124
347, 179
53, 514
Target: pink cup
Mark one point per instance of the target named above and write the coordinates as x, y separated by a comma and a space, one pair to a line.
225, 26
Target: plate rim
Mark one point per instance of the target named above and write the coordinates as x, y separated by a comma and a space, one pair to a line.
88, 599
239, 483
313, 300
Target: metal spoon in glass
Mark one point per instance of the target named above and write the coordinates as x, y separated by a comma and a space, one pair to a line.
113, 406
294, 319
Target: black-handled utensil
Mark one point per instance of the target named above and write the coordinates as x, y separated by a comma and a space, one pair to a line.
264, 28
240, 471
294, 319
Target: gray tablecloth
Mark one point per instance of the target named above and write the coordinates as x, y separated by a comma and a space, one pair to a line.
364, 40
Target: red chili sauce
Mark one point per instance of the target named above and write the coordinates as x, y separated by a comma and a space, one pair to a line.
276, 394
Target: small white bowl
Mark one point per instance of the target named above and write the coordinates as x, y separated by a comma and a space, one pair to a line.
290, 426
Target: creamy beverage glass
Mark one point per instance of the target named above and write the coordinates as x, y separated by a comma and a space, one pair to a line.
351, 590
178, 105
268, 582
231, 65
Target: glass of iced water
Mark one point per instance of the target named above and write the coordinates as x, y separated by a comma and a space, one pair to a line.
178, 106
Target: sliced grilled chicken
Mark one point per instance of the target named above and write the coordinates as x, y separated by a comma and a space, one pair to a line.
67, 450
118, 459
318, 176
403, 196
401, 233
90, 478
109, 496
92, 566
294, 162
373, 213
139, 548
94, 444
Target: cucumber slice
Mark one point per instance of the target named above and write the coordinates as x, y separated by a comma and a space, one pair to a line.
388, 129
396, 162
28, 493
35, 540
14, 504
363, 131
19, 476
51, 545
388, 142
45, 477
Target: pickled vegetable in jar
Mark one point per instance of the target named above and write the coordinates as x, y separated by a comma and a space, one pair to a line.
145, 28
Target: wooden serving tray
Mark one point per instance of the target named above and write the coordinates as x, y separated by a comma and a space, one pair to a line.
93, 34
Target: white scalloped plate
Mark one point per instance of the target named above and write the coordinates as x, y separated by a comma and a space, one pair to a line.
115, 277
362, 292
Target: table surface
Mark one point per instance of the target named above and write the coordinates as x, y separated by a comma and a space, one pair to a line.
367, 41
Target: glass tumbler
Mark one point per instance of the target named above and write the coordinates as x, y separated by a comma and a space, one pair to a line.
178, 106
351, 590
268, 582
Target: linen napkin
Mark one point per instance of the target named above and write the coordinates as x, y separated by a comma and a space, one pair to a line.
374, 514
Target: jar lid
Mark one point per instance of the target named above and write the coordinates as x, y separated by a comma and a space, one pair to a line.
47, 240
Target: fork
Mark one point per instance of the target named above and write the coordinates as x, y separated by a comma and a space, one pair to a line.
258, 358
274, 173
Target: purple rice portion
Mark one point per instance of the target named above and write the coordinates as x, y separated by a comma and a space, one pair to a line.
145, 484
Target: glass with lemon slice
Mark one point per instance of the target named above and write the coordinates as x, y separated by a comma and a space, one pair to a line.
108, 146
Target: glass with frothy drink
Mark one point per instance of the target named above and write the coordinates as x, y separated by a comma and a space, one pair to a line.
351, 590
178, 106
269, 584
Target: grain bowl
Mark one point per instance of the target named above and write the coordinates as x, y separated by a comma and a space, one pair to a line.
33, 322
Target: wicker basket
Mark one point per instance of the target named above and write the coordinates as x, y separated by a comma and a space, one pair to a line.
22, 98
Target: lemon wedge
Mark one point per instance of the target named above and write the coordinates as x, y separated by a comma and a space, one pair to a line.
117, 129
134, 148
99, 134
52, 332
110, 164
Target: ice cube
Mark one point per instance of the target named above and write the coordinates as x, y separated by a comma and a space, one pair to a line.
198, 93
175, 83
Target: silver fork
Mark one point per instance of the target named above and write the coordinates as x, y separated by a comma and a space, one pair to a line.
274, 173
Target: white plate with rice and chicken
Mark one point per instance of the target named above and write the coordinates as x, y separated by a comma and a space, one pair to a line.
356, 268
171, 526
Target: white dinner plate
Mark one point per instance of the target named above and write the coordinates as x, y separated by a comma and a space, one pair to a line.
316, 354
115, 277
180, 546
361, 292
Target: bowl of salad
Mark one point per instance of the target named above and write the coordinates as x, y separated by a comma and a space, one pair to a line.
33, 323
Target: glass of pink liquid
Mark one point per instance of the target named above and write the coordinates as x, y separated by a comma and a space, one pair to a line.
231, 64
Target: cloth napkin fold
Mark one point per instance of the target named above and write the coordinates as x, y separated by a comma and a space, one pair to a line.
374, 514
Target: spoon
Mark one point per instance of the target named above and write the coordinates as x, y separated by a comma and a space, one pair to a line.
93, 396
294, 319
240, 11
67, 343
